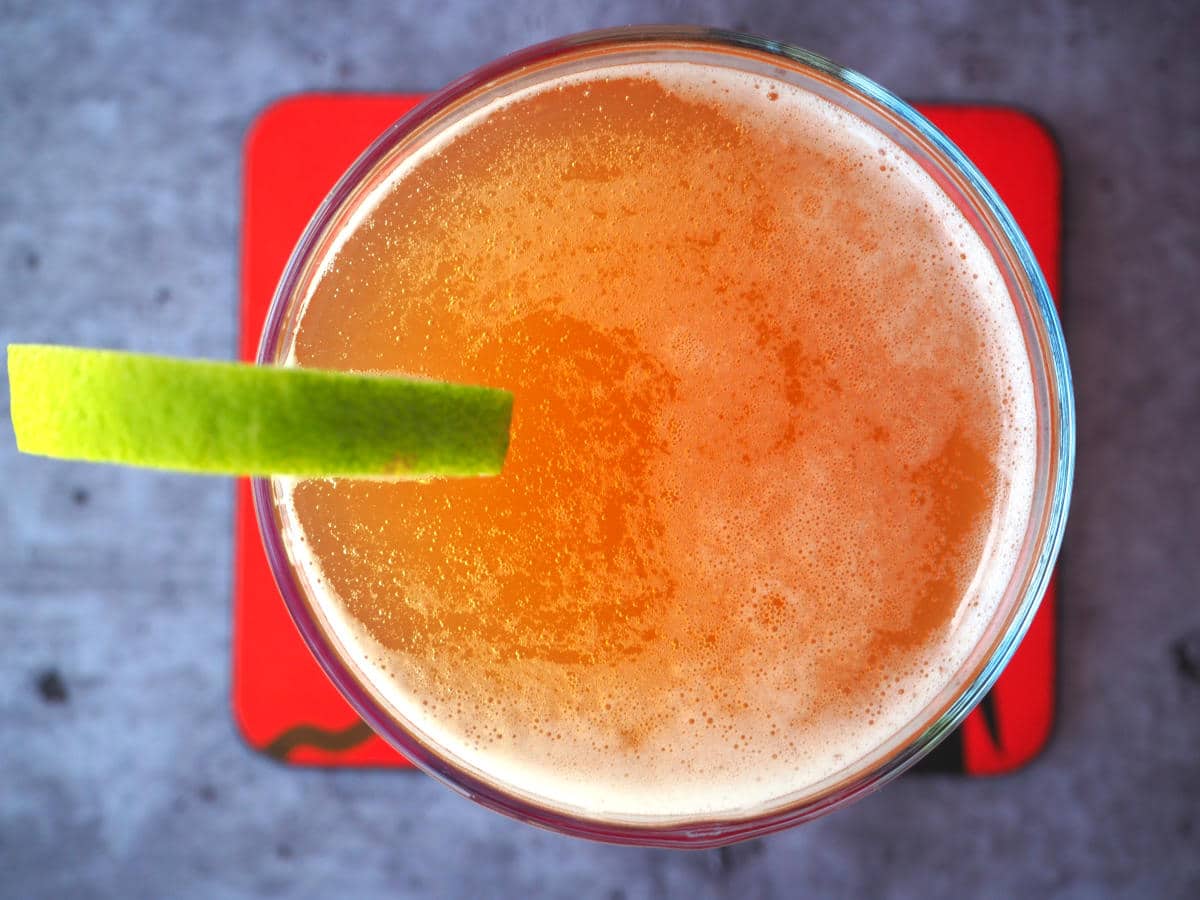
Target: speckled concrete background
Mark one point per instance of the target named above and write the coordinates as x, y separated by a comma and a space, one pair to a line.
121, 774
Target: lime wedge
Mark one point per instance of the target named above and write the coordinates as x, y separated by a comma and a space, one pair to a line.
237, 419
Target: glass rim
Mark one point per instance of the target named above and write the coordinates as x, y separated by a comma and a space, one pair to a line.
1052, 509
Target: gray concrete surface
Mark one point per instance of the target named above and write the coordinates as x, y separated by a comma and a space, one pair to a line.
120, 771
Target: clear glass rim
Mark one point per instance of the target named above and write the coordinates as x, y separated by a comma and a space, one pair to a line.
1058, 467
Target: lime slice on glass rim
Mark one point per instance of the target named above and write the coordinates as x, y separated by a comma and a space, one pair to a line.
239, 419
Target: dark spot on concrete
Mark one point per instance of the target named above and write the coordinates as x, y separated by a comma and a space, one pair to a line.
80, 496
162, 296
345, 68
1105, 183
284, 851
1186, 654
726, 860
1185, 827
1162, 64
51, 687
32, 261
981, 67
616, 894
501, 854
207, 793
318, 57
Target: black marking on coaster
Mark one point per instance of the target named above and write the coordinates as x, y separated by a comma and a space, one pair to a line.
991, 718
946, 757
303, 735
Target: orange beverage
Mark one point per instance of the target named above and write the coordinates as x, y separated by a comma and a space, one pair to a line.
773, 455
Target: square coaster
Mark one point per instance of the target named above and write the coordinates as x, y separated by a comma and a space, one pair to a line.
296, 150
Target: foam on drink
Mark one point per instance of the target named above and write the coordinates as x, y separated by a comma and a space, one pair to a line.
772, 455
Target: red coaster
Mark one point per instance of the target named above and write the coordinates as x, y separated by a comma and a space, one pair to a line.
297, 149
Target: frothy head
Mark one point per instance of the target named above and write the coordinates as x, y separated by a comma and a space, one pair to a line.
772, 454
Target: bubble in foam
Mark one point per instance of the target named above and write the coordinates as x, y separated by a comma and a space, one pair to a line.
741, 465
